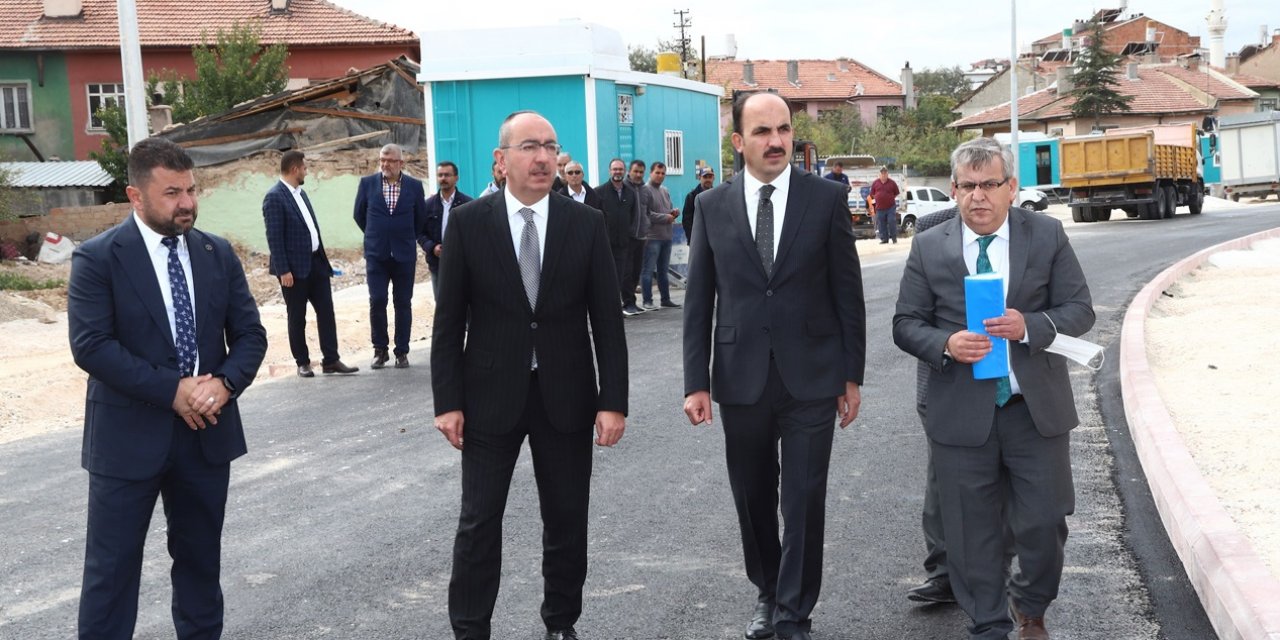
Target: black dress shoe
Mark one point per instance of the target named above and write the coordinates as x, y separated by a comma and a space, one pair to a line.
304, 371
761, 625
337, 367
936, 590
380, 359
667, 304
562, 634
402, 362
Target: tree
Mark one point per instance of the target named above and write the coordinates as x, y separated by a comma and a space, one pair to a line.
235, 69
10, 199
114, 154
1095, 79
644, 59
942, 81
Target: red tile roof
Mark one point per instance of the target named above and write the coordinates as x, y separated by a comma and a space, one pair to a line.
171, 23
818, 79
1154, 92
1255, 82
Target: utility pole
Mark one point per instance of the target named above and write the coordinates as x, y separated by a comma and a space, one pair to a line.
683, 24
135, 96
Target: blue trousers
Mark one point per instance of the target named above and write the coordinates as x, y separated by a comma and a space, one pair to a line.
378, 273
657, 257
887, 223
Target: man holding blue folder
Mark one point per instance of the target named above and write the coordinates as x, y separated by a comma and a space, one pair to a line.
985, 432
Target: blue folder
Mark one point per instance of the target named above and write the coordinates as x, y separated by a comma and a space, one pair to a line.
984, 299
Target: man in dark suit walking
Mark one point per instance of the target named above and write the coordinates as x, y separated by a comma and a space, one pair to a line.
773, 261
391, 210
439, 207
993, 440
619, 201
299, 261
162, 320
526, 274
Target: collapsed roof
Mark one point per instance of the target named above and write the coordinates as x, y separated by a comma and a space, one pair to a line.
363, 109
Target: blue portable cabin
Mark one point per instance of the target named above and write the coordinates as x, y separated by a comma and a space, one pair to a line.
1211, 159
577, 75
1039, 160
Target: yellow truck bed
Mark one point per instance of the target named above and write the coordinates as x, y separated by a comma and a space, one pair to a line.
1093, 161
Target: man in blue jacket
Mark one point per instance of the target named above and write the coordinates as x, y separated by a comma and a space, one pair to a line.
391, 210
162, 320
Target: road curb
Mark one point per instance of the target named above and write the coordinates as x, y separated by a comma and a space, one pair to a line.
1240, 595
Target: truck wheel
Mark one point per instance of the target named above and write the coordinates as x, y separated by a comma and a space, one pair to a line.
1102, 214
1135, 210
1155, 209
1196, 205
1075, 215
1171, 201
1235, 197
1086, 214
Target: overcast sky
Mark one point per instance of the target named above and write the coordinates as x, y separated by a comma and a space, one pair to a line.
882, 35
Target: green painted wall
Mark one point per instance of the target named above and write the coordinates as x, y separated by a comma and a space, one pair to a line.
50, 106
234, 210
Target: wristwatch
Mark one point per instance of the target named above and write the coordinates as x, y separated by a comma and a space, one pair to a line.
231, 388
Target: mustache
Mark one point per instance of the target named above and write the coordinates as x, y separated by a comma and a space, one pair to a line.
772, 150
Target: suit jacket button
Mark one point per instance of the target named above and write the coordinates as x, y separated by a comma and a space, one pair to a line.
533, 325
769, 293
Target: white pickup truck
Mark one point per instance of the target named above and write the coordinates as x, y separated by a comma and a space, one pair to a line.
922, 201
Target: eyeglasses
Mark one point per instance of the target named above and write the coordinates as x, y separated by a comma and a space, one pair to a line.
531, 147
987, 186
574, 173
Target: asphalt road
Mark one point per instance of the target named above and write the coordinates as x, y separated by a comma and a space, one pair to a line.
341, 518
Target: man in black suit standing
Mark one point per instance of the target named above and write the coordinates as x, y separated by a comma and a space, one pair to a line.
619, 201
162, 320
773, 262
299, 261
439, 207
1001, 441
391, 210
526, 274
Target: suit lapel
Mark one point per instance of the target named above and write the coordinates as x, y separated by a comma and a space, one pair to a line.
309, 213
953, 249
797, 206
739, 222
500, 232
136, 261
1019, 250
200, 252
557, 228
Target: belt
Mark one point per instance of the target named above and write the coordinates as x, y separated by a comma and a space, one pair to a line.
1013, 399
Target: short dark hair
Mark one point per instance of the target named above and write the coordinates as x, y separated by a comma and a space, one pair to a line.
156, 152
741, 101
839, 164
291, 160
451, 165
656, 164
638, 161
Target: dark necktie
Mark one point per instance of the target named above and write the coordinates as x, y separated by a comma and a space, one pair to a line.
764, 228
1003, 390
184, 320
530, 264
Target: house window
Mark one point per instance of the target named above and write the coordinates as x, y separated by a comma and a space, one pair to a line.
15, 107
1268, 104
675, 152
103, 95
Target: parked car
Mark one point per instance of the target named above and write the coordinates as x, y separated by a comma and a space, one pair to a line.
1033, 199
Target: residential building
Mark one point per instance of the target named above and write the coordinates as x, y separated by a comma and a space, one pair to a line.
60, 59
811, 86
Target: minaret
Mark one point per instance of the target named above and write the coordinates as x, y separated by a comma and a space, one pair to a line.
1217, 20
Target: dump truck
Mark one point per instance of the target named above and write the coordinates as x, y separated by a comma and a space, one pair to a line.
1146, 172
1250, 148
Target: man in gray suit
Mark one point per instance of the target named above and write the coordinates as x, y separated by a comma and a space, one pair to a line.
1011, 434
773, 262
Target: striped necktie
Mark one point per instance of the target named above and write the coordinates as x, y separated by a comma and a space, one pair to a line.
1003, 390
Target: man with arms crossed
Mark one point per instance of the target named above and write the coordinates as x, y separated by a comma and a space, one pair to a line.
526, 274
773, 261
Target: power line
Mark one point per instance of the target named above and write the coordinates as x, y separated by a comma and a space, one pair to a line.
684, 23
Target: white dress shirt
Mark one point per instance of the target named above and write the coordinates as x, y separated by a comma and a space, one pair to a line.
306, 214
447, 204
516, 220
580, 196
998, 254
159, 255
781, 186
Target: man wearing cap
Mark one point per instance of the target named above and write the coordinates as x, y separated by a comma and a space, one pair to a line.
706, 180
